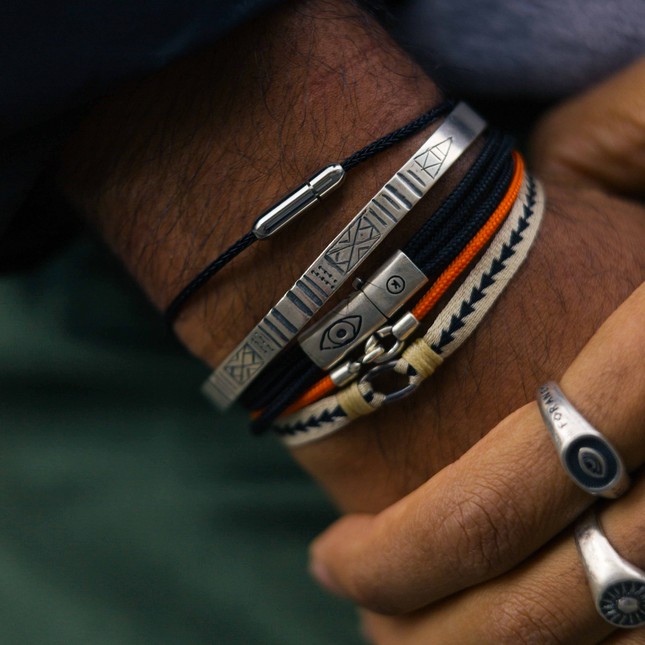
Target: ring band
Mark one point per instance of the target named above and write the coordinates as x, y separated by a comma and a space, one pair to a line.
587, 455
617, 587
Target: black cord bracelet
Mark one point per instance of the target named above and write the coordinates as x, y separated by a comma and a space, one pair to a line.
434, 246
300, 201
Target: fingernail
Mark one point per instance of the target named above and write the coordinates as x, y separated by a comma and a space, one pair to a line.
321, 575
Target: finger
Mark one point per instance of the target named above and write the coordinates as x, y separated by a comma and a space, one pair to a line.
546, 601
503, 499
635, 637
597, 138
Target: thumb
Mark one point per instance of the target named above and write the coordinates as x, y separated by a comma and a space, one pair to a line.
597, 138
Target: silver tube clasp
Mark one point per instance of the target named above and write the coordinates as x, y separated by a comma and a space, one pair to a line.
299, 201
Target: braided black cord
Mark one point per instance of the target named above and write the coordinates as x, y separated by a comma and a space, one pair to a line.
285, 398
294, 361
369, 151
463, 216
450, 251
277, 376
198, 282
396, 137
445, 211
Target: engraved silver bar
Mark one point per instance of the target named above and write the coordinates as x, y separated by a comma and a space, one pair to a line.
394, 283
351, 322
349, 249
299, 201
342, 329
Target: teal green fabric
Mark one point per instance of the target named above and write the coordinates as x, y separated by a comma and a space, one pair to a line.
130, 512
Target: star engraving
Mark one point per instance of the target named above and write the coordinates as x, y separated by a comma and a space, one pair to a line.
356, 242
432, 159
623, 603
244, 364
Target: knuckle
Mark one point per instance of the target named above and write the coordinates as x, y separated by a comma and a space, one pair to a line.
486, 531
530, 617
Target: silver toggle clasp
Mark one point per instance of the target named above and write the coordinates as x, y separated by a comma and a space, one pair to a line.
400, 331
373, 345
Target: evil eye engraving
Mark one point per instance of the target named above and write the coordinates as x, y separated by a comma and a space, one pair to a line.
341, 333
592, 462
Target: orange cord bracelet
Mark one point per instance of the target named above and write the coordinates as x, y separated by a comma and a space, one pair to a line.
475, 245
441, 285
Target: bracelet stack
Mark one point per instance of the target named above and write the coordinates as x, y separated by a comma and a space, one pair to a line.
451, 328
422, 260
289, 385
351, 247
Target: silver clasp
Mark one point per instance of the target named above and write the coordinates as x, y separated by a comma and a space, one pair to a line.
373, 345
299, 201
405, 326
382, 369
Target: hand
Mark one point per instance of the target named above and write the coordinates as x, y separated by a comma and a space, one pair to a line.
596, 139
508, 494
502, 501
582, 266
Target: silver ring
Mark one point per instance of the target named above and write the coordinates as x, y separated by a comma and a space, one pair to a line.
587, 455
617, 587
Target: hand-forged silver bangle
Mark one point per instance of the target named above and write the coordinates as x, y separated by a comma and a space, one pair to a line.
337, 262
617, 586
587, 455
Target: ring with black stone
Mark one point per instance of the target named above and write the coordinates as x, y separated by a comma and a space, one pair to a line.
588, 457
617, 586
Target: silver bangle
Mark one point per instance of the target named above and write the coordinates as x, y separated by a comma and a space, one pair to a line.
587, 456
617, 586
346, 252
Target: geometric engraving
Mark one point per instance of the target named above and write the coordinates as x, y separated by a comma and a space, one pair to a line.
355, 243
244, 364
431, 160
324, 276
341, 333
623, 603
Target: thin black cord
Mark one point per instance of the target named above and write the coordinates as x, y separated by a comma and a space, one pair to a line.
376, 147
398, 136
198, 282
